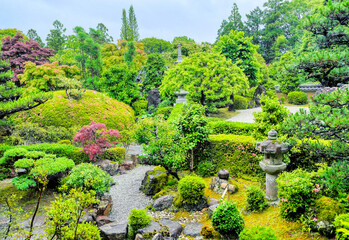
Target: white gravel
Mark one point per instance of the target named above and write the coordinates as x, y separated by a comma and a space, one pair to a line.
126, 195
247, 115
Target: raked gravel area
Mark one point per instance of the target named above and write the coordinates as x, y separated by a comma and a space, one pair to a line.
247, 115
126, 195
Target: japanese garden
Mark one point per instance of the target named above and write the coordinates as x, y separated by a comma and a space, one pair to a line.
123, 137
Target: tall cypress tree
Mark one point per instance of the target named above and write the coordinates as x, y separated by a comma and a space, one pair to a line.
125, 28
56, 38
234, 23
134, 35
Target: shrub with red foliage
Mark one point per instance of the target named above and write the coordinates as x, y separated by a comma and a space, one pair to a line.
96, 138
18, 52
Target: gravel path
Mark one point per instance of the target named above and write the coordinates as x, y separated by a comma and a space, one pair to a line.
126, 195
247, 115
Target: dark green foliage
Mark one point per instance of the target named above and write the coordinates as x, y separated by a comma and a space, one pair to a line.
240, 102
297, 98
140, 107
226, 127
138, 219
227, 220
297, 193
24, 163
191, 189
234, 23
155, 45
256, 200
56, 38
132, 24
116, 154
206, 169
327, 209
23, 182
336, 179
12, 155
254, 25
90, 177
258, 233
154, 72
341, 223
32, 34
165, 111
130, 52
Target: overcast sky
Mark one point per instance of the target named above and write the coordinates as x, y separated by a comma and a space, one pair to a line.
166, 19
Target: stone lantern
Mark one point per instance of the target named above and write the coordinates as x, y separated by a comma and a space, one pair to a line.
272, 163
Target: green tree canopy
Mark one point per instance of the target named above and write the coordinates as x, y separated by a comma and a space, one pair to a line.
133, 25
154, 72
156, 45
56, 38
240, 50
32, 34
234, 23
210, 79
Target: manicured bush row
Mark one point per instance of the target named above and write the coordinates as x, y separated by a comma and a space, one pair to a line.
235, 153
225, 127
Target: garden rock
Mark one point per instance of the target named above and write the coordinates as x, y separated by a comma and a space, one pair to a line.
114, 231
158, 236
231, 188
4, 221
128, 165
325, 228
211, 209
163, 203
193, 229
223, 174
139, 237
202, 203
154, 98
21, 171
175, 228
103, 220
218, 185
110, 167
260, 90
153, 227
38, 221
105, 205
87, 218
154, 181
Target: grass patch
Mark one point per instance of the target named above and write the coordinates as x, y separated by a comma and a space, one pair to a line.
223, 113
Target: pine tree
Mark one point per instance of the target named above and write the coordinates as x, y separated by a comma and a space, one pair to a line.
32, 34
234, 23
254, 25
133, 26
56, 38
125, 28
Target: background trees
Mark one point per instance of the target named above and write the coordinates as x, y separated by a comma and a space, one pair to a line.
234, 23
56, 38
129, 27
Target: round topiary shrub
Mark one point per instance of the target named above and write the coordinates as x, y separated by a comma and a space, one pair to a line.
138, 219
93, 106
256, 201
191, 189
297, 98
327, 208
227, 220
258, 233
206, 169
89, 176
240, 102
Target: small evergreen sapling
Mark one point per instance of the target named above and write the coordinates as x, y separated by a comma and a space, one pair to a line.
96, 138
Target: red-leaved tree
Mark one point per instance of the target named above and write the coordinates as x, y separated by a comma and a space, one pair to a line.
18, 51
96, 138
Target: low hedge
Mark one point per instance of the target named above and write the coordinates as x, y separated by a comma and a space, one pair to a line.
116, 154
177, 110
297, 98
235, 153
226, 127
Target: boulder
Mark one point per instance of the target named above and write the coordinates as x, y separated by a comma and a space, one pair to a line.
114, 231
211, 209
193, 229
260, 90
158, 236
154, 181
87, 218
325, 228
163, 203
153, 227
154, 98
105, 205
218, 185
202, 203
213, 201
173, 227
139, 237
110, 167
128, 165
4, 221
103, 220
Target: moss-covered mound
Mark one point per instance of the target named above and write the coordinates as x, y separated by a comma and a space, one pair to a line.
93, 106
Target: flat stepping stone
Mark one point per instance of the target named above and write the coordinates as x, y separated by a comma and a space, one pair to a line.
114, 231
153, 227
175, 228
193, 229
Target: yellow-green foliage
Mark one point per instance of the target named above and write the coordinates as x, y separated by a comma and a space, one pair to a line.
328, 208
116, 154
235, 153
175, 112
64, 142
93, 106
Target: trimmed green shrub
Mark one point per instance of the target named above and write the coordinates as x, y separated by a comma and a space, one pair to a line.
93, 106
90, 177
226, 127
191, 189
52, 165
116, 154
23, 182
282, 100
227, 220
206, 169
235, 153
24, 163
341, 223
65, 141
240, 102
138, 219
35, 154
165, 111
176, 112
140, 107
258, 233
256, 201
327, 208
297, 98
297, 193
12, 155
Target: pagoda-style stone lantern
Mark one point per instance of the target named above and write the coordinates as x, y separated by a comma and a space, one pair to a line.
272, 163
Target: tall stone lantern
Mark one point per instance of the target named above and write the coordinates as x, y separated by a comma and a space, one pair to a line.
272, 163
